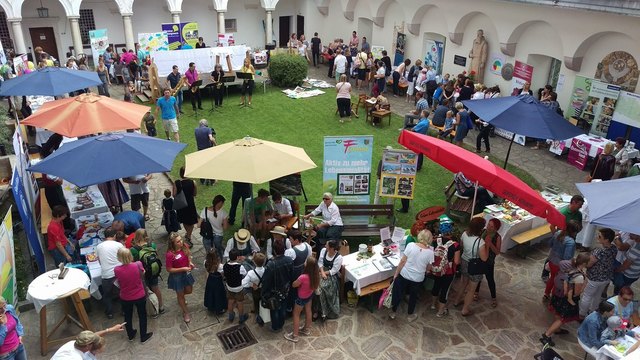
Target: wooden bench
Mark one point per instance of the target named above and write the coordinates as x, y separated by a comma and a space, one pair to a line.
452, 134
370, 290
457, 202
142, 97
362, 230
524, 238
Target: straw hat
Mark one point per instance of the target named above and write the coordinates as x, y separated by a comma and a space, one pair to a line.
280, 230
242, 235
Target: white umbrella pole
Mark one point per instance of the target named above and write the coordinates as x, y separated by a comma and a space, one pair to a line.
473, 205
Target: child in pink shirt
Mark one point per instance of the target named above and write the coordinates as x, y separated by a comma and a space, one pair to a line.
307, 283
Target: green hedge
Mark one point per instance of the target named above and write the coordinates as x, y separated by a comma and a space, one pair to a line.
286, 70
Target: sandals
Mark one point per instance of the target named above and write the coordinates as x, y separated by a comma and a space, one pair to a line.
186, 317
494, 303
467, 313
476, 297
147, 218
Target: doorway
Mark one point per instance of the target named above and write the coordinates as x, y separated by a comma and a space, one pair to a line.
46, 39
300, 25
285, 30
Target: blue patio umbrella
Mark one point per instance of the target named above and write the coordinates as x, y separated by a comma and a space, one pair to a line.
523, 115
49, 81
614, 203
102, 158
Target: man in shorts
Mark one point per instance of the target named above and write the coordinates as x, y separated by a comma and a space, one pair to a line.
139, 191
169, 108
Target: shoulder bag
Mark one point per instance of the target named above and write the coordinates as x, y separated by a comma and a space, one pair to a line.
180, 200
206, 230
476, 265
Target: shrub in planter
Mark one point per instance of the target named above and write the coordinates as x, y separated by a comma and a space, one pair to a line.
286, 70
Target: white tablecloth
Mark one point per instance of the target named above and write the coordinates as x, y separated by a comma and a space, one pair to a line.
612, 352
76, 209
597, 145
511, 228
47, 287
364, 273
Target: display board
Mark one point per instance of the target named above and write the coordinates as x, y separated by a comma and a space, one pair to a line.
99, 43
433, 56
628, 109
347, 169
398, 175
153, 41
205, 58
600, 105
8, 284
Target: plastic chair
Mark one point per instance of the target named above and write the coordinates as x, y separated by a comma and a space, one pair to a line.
588, 350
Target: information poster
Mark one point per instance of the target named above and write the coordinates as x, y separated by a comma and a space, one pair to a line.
27, 199
399, 168
433, 56
400, 42
628, 109
189, 33
7, 259
226, 39
149, 42
579, 95
578, 153
173, 35
497, 61
521, 73
99, 43
600, 105
21, 64
376, 51
347, 169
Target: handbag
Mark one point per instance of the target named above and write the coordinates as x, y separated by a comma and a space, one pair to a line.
180, 200
152, 303
206, 230
476, 265
385, 299
589, 177
273, 300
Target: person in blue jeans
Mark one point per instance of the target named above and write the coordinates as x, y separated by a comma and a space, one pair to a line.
11, 332
276, 282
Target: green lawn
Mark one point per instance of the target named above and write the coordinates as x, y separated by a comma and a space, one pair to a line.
304, 123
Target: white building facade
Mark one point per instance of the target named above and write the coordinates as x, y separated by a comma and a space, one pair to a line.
534, 34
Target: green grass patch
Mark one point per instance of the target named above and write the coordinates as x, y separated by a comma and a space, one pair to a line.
304, 123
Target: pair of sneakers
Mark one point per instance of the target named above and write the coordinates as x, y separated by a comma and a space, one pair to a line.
302, 330
242, 318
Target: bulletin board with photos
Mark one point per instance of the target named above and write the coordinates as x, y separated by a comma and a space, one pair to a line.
398, 175
353, 184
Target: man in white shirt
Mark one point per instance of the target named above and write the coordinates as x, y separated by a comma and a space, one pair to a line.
282, 206
85, 341
139, 191
107, 252
331, 226
339, 64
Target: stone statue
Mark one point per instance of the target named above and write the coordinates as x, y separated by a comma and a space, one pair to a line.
478, 56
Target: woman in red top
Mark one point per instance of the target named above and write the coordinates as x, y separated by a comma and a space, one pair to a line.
132, 293
179, 266
59, 246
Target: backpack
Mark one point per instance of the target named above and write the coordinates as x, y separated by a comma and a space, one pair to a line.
150, 261
206, 230
441, 263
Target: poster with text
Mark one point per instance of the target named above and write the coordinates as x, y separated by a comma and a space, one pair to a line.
399, 168
8, 260
99, 43
600, 105
149, 42
521, 73
579, 153
226, 39
173, 35
628, 109
21, 64
400, 42
434, 55
347, 169
376, 51
189, 33
579, 95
